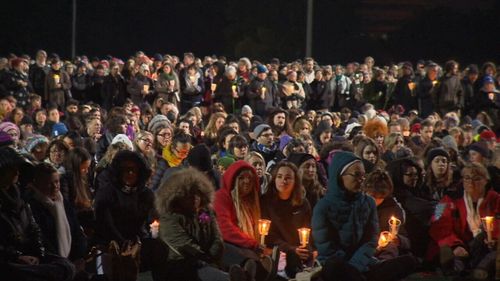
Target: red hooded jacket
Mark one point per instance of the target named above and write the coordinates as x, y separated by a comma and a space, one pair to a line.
225, 210
449, 223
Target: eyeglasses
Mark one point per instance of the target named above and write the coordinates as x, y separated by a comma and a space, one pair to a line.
411, 175
476, 178
400, 142
268, 135
147, 141
356, 175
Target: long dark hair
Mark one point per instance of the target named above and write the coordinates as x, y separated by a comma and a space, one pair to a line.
298, 193
72, 163
126, 155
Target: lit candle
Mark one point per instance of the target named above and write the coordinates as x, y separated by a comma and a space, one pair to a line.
213, 87
264, 226
384, 239
412, 86
146, 87
263, 90
304, 236
488, 225
57, 78
394, 224
434, 83
155, 227
234, 88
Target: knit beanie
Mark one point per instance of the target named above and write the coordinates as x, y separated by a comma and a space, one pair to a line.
33, 141
123, 139
481, 148
159, 121
199, 158
259, 129
450, 143
225, 161
299, 158
7, 126
59, 129
438, 151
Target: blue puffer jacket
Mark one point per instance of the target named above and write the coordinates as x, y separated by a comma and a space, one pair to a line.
345, 225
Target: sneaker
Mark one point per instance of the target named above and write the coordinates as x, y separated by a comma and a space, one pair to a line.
236, 273
250, 268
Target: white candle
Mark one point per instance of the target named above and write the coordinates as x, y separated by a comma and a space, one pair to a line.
264, 226
304, 234
394, 224
155, 228
488, 225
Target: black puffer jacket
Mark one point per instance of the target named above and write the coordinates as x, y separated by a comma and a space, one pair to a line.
120, 214
19, 233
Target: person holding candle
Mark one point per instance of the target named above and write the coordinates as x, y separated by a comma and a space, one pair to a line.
57, 83
123, 205
238, 212
224, 89
260, 93
457, 228
379, 185
345, 227
189, 228
286, 206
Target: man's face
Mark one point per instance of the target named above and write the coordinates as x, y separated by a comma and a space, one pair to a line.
473, 77
426, 133
56, 66
274, 75
279, 120
72, 108
54, 116
308, 66
262, 76
188, 60
432, 73
266, 138
184, 126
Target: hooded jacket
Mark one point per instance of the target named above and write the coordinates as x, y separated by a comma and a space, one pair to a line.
193, 235
345, 225
225, 208
121, 214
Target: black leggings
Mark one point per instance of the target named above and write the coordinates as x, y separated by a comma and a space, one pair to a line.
387, 270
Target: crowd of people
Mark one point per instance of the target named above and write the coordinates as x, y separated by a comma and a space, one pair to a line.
393, 169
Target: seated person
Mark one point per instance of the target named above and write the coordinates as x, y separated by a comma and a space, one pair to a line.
61, 231
378, 185
22, 255
458, 231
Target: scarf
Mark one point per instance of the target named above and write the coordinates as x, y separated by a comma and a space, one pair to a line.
63, 231
473, 218
267, 150
172, 160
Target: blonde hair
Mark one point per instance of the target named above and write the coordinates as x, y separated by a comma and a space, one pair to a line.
248, 210
211, 130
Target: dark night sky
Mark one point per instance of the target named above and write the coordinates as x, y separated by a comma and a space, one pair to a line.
259, 29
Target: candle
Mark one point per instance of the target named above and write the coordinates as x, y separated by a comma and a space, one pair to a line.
57, 78
155, 227
434, 83
394, 224
263, 90
146, 87
264, 226
412, 86
488, 225
304, 236
213, 87
384, 239
234, 88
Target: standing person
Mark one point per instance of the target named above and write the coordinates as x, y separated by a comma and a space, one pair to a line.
140, 86
260, 93
57, 84
227, 90
468, 84
425, 88
404, 91
167, 85
375, 92
38, 71
448, 93
189, 227
123, 205
22, 255
17, 82
286, 206
342, 88
345, 227
292, 92
80, 82
114, 89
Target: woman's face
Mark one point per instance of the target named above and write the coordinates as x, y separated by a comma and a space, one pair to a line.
309, 146
370, 154
285, 181
410, 177
325, 137
235, 126
398, 144
48, 185
256, 162
164, 137
94, 127
475, 157
146, 144
40, 117
308, 169
328, 119
353, 177
56, 155
474, 183
219, 122
84, 167
439, 166
305, 130
245, 182
40, 151
18, 116
379, 139
130, 173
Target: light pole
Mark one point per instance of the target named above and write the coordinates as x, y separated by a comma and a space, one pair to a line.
73, 32
309, 28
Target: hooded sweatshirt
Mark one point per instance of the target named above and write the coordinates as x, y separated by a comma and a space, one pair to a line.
225, 209
345, 225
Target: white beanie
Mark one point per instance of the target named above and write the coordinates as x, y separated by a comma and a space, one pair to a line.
123, 139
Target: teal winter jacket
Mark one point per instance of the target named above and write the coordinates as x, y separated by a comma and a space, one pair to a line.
345, 224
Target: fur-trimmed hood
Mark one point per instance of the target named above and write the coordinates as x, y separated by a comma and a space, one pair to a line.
179, 185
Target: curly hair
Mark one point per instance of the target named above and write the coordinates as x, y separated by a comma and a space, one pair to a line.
374, 127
